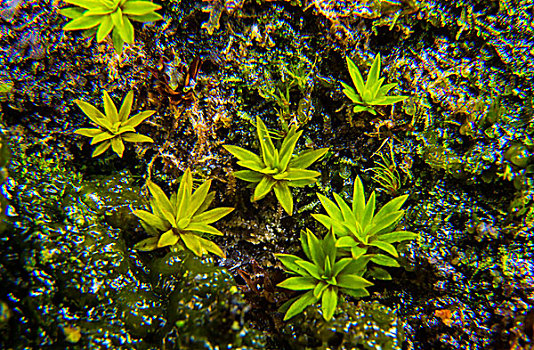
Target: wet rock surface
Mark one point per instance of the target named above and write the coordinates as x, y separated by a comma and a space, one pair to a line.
461, 146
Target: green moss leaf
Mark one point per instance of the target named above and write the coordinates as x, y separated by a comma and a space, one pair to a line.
385, 247
398, 236
374, 72
126, 108
149, 17
211, 216
152, 220
351, 93
161, 200
197, 198
168, 239
243, 154
292, 174
304, 243
340, 265
101, 148
203, 228
89, 132
392, 206
298, 283
319, 289
307, 158
102, 136
263, 187
147, 245
286, 151
248, 175
300, 304
352, 281
375, 89
118, 43
184, 194
117, 146
125, 129
356, 293
289, 261
193, 243
138, 118
209, 199
310, 268
72, 12
93, 113
357, 252
369, 211
127, 30
389, 100
266, 144
331, 208
86, 4
316, 249
105, 27
301, 183
329, 223
356, 76
284, 196
384, 260
139, 8
386, 88
346, 242
386, 222
99, 11
133, 137
211, 247
329, 303
346, 212
380, 274
83, 22
110, 109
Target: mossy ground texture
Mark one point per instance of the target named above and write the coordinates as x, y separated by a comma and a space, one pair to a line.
461, 146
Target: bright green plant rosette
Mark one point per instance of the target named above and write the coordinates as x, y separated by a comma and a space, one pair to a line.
358, 228
114, 128
102, 17
372, 92
276, 169
323, 275
182, 218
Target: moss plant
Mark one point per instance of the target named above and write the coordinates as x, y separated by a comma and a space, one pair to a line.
276, 168
113, 127
102, 17
181, 218
372, 92
358, 228
323, 275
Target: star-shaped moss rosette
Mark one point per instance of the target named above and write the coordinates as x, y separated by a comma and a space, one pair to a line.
323, 275
372, 93
114, 128
105, 16
358, 229
276, 168
181, 218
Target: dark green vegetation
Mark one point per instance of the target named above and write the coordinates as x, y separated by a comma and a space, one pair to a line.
460, 146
